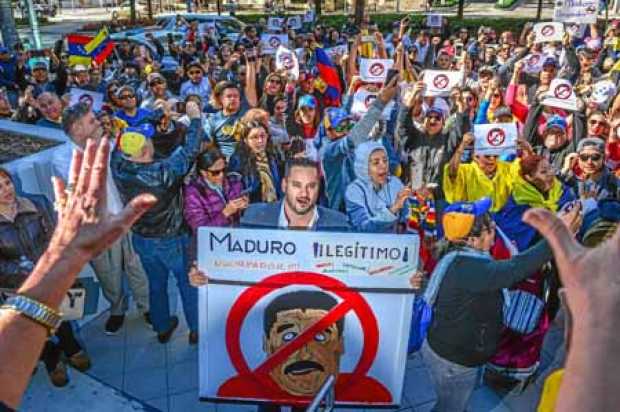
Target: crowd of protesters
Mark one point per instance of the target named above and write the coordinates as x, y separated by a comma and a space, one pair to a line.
213, 138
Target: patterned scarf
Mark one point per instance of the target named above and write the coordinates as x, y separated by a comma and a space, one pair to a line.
268, 190
524, 192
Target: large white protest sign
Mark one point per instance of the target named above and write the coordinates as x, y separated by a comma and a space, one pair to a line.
271, 42
362, 100
294, 22
287, 60
560, 95
276, 24
576, 11
495, 138
285, 309
440, 82
375, 70
93, 99
549, 32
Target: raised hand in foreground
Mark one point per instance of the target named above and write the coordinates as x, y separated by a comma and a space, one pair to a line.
591, 278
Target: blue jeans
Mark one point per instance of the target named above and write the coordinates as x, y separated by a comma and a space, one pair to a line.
159, 257
453, 383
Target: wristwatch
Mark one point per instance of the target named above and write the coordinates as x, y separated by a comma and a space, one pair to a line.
36, 311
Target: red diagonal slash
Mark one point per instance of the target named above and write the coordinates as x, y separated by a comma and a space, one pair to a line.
287, 350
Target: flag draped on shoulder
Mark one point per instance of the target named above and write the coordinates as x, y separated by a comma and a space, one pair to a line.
87, 49
329, 75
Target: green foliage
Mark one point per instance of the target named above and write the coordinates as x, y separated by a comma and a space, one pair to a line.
385, 21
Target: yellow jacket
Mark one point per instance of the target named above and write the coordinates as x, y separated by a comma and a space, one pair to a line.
471, 184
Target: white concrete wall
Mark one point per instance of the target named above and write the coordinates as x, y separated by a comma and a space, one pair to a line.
34, 173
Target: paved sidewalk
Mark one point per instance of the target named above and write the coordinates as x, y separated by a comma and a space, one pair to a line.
133, 372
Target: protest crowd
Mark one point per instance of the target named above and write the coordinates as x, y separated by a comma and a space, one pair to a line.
442, 132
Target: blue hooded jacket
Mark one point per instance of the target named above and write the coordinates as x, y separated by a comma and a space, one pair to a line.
368, 206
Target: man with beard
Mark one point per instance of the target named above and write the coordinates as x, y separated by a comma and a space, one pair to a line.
298, 210
297, 379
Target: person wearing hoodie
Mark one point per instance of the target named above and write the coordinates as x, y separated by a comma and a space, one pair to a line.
375, 199
337, 142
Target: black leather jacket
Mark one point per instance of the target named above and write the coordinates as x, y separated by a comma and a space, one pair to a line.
164, 179
27, 236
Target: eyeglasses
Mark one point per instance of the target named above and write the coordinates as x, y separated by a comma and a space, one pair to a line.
216, 172
127, 96
435, 117
595, 157
274, 80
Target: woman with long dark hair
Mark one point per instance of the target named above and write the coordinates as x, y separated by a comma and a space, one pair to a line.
255, 159
26, 226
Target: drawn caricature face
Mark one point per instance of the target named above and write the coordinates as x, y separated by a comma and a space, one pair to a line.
303, 373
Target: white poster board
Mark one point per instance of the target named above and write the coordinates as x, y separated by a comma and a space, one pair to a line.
276, 24
548, 32
287, 60
362, 99
271, 42
434, 21
440, 82
341, 50
575, 11
294, 22
93, 99
560, 95
341, 299
533, 63
309, 16
495, 138
375, 70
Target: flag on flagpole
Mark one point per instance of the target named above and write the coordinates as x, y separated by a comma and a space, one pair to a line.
101, 37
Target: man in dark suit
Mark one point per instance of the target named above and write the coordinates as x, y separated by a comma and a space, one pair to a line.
298, 210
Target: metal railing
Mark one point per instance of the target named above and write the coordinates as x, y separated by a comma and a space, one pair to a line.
325, 398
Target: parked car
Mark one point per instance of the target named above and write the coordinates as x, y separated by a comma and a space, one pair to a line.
226, 26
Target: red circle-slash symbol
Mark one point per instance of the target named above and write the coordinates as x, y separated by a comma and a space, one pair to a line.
563, 91
496, 137
376, 69
274, 42
547, 31
351, 301
441, 81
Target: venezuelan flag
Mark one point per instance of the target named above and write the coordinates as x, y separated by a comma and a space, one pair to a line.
329, 75
79, 46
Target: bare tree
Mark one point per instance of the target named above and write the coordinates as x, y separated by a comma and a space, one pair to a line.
8, 29
358, 6
459, 14
317, 7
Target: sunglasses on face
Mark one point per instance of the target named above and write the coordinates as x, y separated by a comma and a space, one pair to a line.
216, 172
194, 72
497, 96
343, 127
595, 157
274, 80
434, 117
127, 96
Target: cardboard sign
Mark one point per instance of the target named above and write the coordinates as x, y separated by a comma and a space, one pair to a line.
271, 42
576, 11
375, 70
287, 60
603, 92
434, 20
309, 16
294, 22
495, 138
533, 63
576, 30
440, 82
276, 24
362, 100
548, 32
560, 95
93, 99
342, 300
